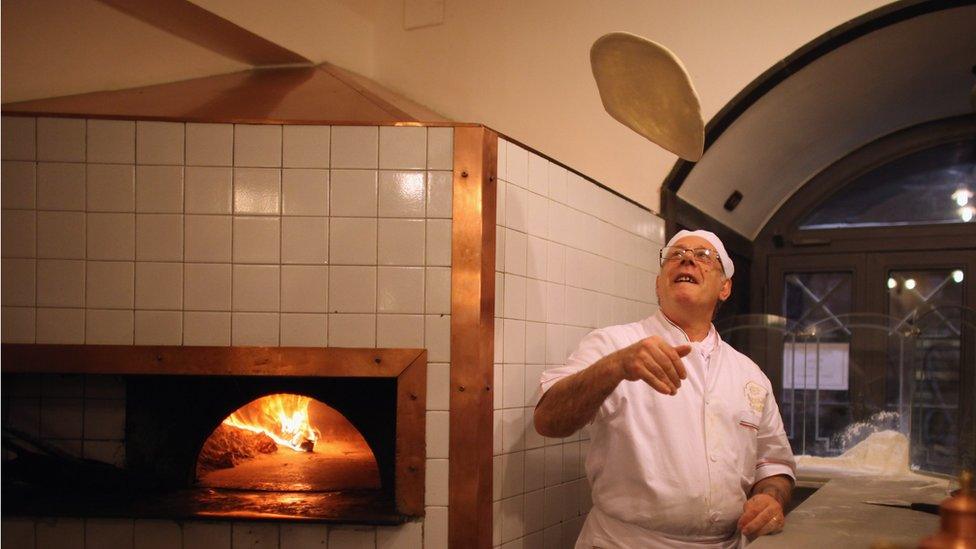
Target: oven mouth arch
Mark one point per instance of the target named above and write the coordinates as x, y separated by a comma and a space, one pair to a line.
286, 442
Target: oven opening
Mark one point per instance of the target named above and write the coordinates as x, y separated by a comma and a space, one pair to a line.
286, 442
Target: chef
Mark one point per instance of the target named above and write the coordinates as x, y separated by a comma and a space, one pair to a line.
687, 444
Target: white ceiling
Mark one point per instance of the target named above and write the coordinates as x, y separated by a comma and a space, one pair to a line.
899, 76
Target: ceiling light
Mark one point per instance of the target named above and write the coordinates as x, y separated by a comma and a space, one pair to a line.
962, 196
966, 213
892, 283
910, 283
957, 276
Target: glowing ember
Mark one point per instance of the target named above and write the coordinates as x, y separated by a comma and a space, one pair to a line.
283, 417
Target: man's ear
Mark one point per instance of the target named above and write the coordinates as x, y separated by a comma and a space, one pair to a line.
726, 291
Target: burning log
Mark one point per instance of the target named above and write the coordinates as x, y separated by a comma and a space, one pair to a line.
283, 417
229, 446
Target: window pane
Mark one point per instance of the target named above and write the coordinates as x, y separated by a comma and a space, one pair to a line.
816, 360
817, 301
929, 303
935, 185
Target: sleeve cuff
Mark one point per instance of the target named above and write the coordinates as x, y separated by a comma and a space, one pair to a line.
766, 469
547, 383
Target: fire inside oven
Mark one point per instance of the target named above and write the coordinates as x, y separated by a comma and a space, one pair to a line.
286, 442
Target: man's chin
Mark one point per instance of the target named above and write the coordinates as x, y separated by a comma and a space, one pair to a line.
686, 297
687, 301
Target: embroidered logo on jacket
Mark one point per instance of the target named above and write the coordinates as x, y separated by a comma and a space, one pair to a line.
756, 396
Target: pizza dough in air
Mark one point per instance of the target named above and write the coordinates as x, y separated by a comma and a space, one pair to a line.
646, 88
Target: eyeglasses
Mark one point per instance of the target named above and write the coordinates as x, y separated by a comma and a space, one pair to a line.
706, 257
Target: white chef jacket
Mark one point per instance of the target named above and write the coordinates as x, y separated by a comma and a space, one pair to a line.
674, 471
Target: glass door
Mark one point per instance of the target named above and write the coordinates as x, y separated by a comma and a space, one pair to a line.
930, 295
874, 341
811, 365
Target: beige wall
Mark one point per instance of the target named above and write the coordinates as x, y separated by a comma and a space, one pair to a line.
338, 31
52, 48
523, 68
520, 67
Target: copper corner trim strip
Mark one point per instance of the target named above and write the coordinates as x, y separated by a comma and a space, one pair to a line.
472, 338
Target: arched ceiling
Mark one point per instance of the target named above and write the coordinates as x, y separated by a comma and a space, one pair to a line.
906, 73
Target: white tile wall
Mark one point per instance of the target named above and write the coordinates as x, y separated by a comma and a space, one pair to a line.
352, 241
159, 237
401, 241
355, 147
110, 187
305, 240
306, 146
401, 193
209, 190
304, 288
110, 236
209, 144
60, 186
570, 257
17, 185
110, 284
305, 192
161, 233
207, 238
403, 148
298, 536
60, 139
257, 145
400, 331
160, 143
304, 330
159, 189
19, 138
61, 235
257, 191
353, 193
111, 141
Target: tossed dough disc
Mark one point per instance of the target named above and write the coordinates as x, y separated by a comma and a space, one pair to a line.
645, 87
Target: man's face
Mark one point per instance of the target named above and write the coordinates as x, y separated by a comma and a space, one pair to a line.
687, 283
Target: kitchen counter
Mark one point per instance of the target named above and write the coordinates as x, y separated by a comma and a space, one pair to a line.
834, 517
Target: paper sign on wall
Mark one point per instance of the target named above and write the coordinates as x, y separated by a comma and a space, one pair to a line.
833, 360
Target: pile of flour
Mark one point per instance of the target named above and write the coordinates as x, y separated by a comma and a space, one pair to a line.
881, 453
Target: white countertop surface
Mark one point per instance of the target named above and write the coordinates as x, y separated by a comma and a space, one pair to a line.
835, 517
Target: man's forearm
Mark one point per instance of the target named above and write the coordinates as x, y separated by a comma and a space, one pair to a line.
780, 487
573, 402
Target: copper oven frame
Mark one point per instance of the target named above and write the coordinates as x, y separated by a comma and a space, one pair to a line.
407, 366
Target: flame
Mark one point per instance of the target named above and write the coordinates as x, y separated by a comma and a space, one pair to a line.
283, 417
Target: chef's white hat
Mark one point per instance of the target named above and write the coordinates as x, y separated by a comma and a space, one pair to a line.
727, 265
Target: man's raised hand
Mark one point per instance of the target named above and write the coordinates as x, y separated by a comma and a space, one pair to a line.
655, 362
